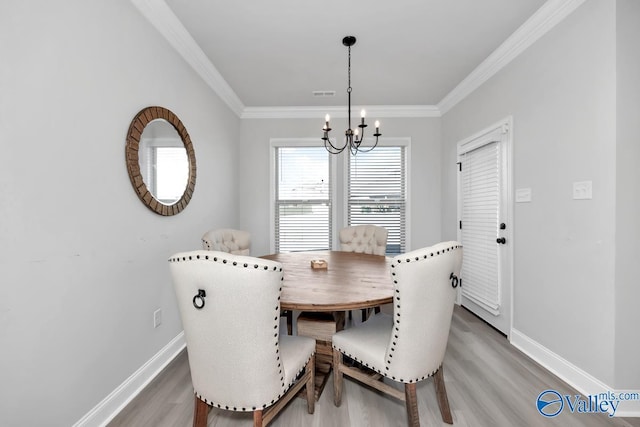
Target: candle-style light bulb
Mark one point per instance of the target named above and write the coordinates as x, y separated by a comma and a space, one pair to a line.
326, 118
377, 125
355, 132
363, 114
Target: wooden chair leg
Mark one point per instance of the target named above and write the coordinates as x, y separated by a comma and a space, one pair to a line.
257, 418
200, 413
441, 394
289, 315
311, 384
412, 404
337, 377
366, 312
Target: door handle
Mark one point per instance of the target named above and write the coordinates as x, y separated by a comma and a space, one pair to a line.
501, 240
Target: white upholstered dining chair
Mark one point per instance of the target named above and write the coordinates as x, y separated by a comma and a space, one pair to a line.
237, 242
368, 239
230, 310
409, 346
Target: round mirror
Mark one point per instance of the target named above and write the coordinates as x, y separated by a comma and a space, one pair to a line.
160, 160
163, 162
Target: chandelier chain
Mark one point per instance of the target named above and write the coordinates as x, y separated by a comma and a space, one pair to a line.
349, 71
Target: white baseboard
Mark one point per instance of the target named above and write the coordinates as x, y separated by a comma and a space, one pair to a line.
111, 405
562, 368
629, 408
582, 381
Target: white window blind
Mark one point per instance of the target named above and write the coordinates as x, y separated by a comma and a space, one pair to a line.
303, 199
480, 181
376, 193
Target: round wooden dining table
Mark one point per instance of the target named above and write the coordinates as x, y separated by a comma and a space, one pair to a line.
350, 281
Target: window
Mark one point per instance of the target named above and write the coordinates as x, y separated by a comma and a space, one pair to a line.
171, 173
377, 193
165, 171
302, 199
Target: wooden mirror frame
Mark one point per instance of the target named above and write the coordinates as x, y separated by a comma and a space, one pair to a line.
139, 122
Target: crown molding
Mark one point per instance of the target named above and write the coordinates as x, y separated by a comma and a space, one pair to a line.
165, 21
339, 111
548, 16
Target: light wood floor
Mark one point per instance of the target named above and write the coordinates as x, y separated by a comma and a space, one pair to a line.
489, 383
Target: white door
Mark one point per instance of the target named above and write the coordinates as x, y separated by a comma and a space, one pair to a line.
485, 224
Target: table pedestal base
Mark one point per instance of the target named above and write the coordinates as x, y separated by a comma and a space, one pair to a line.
321, 327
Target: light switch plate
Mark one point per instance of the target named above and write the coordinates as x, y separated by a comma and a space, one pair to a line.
582, 190
523, 195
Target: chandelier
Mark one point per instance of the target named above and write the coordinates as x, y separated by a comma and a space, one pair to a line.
353, 137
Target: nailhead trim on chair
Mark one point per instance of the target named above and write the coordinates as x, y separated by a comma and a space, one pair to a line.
224, 261
253, 408
384, 373
397, 323
275, 335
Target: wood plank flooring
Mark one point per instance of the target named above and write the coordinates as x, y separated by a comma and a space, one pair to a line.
489, 383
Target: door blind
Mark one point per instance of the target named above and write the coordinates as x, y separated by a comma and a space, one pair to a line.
480, 182
377, 193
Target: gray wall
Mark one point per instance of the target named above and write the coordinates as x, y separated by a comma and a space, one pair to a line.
254, 179
82, 261
561, 93
627, 315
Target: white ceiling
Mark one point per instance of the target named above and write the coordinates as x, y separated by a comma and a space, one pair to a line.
409, 52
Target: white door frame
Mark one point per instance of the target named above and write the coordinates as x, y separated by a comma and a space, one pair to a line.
505, 128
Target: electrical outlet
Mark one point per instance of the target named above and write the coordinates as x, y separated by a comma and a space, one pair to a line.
157, 318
